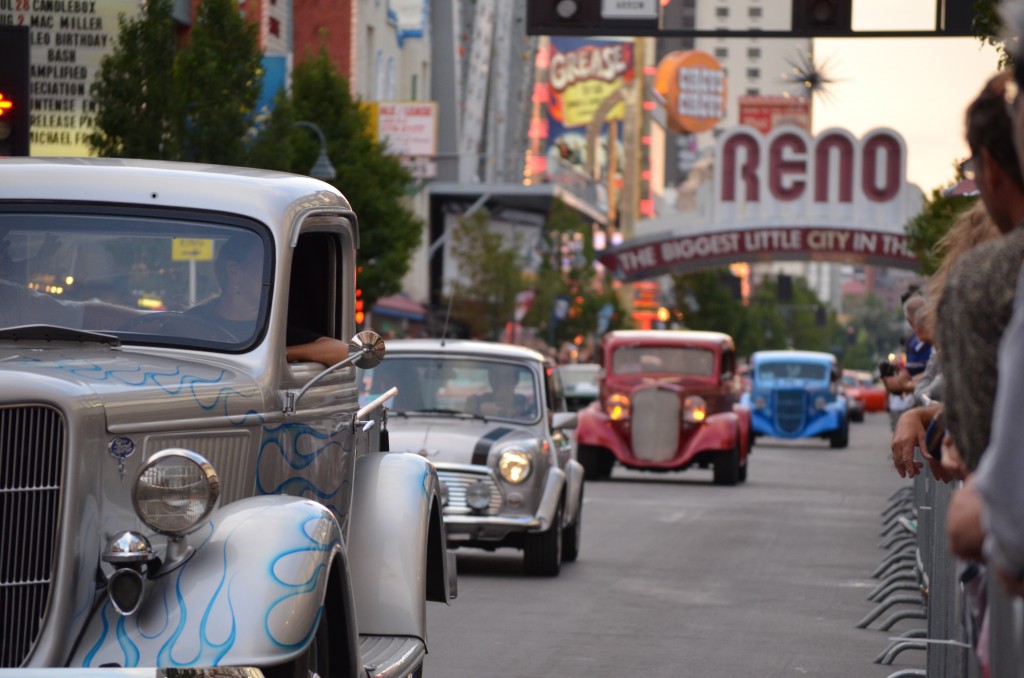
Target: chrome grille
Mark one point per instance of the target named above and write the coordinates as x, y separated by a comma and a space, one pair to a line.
655, 424
457, 482
31, 460
789, 410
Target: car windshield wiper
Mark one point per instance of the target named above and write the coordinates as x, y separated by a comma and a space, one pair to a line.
439, 410
57, 333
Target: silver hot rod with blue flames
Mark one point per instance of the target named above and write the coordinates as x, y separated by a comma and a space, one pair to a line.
175, 492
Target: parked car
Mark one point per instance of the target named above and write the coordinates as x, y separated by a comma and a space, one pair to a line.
176, 493
868, 392
797, 394
668, 401
581, 382
493, 420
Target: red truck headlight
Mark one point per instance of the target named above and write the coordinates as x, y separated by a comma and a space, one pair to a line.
695, 410
617, 406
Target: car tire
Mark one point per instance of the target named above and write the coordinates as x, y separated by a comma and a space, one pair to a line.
741, 474
597, 463
542, 551
840, 438
857, 416
572, 535
727, 467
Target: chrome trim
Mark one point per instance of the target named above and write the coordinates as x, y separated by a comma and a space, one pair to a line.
127, 547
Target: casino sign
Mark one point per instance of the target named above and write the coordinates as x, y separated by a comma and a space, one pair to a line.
785, 196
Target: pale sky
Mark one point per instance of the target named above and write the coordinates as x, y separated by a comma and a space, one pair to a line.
919, 87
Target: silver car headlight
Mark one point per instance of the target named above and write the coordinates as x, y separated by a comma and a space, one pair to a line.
760, 403
514, 465
819, 403
175, 491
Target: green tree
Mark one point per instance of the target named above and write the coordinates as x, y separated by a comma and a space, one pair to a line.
217, 81
567, 269
490, 269
927, 228
374, 182
133, 90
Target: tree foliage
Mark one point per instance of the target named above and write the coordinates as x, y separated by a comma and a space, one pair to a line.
217, 80
372, 181
567, 269
133, 90
928, 227
490, 275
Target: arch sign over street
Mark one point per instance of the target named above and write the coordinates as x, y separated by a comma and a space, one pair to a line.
784, 196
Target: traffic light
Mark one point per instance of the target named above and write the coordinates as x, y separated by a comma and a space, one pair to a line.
557, 16
14, 103
821, 17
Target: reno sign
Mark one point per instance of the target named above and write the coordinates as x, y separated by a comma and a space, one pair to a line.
786, 195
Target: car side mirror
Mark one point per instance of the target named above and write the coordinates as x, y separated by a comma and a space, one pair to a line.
370, 349
563, 420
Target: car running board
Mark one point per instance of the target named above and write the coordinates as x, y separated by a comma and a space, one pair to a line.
391, 656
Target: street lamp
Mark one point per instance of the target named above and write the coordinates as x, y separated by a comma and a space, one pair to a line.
322, 168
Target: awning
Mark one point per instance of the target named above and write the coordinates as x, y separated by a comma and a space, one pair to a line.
400, 306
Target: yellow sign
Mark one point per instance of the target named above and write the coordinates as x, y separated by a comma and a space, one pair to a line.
191, 249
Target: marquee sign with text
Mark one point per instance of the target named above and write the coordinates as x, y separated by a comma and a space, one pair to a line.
788, 195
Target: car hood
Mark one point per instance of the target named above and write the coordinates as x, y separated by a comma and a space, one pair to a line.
455, 441
125, 383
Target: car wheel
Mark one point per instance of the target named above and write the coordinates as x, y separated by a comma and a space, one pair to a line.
857, 416
573, 534
727, 467
741, 475
840, 438
542, 552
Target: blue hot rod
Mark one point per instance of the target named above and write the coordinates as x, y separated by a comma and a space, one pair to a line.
796, 394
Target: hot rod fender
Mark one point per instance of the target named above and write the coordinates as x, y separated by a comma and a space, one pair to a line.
251, 594
396, 544
721, 431
573, 490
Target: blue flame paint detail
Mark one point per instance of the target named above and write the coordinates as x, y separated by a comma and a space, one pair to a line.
177, 383
285, 441
103, 634
241, 607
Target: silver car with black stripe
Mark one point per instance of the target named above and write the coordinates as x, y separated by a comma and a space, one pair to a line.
493, 420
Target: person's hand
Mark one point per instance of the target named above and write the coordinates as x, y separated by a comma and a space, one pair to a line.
951, 459
963, 523
939, 471
899, 383
909, 433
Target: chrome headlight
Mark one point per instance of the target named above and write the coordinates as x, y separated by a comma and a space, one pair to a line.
478, 495
175, 491
819, 403
617, 406
760, 403
514, 465
695, 409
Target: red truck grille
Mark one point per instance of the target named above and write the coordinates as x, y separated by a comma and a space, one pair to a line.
31, 456
655, 424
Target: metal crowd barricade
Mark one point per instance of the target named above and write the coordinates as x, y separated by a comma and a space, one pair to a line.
921, 572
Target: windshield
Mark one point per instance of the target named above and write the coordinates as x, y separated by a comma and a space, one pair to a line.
579, 378
454, 387
176, 282
767, 372
659, 359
